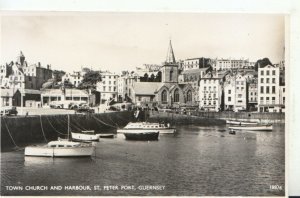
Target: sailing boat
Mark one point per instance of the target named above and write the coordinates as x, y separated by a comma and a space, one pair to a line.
61, 148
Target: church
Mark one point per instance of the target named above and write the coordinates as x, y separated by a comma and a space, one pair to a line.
168, 93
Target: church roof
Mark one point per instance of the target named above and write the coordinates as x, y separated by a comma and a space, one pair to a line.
146, 88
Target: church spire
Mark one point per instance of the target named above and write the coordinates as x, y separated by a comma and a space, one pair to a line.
170, 55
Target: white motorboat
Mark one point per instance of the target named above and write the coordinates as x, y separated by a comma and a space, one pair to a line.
253, 128
138, 127
85, 136
61, 148
237, 122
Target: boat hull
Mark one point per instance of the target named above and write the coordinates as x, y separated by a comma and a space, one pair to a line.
85, 137
252, 128
233, 122
146, 136
59, 152
138, 130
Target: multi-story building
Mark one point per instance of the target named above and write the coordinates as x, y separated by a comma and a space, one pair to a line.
268, 89
108, 86
74, 78
22, 75
210, 91
235, 92
252, 94
224, 64
193, 77
240, 92
125, 83
36, 75
195, 63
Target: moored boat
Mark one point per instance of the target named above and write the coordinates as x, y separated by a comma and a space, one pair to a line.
85, 136
144, 135
61, 148
253, 128
138, 127
237, 122
107, 135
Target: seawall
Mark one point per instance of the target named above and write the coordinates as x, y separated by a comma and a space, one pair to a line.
216, 118
181, 119
21, 131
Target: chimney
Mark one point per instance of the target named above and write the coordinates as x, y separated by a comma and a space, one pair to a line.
39, 64
48, 66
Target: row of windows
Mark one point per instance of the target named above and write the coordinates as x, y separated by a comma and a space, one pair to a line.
109, 82
267, 90
109, 88
268, 80
262, 72
209, 102
110, 77
210, 88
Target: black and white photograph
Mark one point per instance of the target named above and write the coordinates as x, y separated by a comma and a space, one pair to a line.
143, 104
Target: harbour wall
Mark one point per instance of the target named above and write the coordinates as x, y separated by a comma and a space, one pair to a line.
216, 118
181, 119
19, 131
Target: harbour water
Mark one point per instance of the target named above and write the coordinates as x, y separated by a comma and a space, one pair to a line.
196, 161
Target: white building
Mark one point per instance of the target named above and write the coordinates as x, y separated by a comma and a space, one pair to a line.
225, 64
268, 89
192, 63
108, 86
74, 78
210, 92
64, 97
125, 83
235, 93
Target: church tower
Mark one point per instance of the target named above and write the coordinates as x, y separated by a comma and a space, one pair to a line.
170, 67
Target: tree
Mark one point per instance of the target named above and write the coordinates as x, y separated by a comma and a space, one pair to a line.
57, 75
90, 80
158, 77
261, 63
152, 78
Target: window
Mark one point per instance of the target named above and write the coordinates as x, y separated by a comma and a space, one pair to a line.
268, 73
176, 95
189, 96
268, 80
273, 98
262, 73
229, 91
283, 90
164, 96
273, 72
261, 80
229, 99
261, 89
267, 98
171, 75
273, 89
239, 95
273, 80
267, 89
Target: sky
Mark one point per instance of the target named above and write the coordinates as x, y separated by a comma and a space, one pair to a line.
123, 41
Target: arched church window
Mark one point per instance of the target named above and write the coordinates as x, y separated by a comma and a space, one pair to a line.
189, 96
176, 95
164, 96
